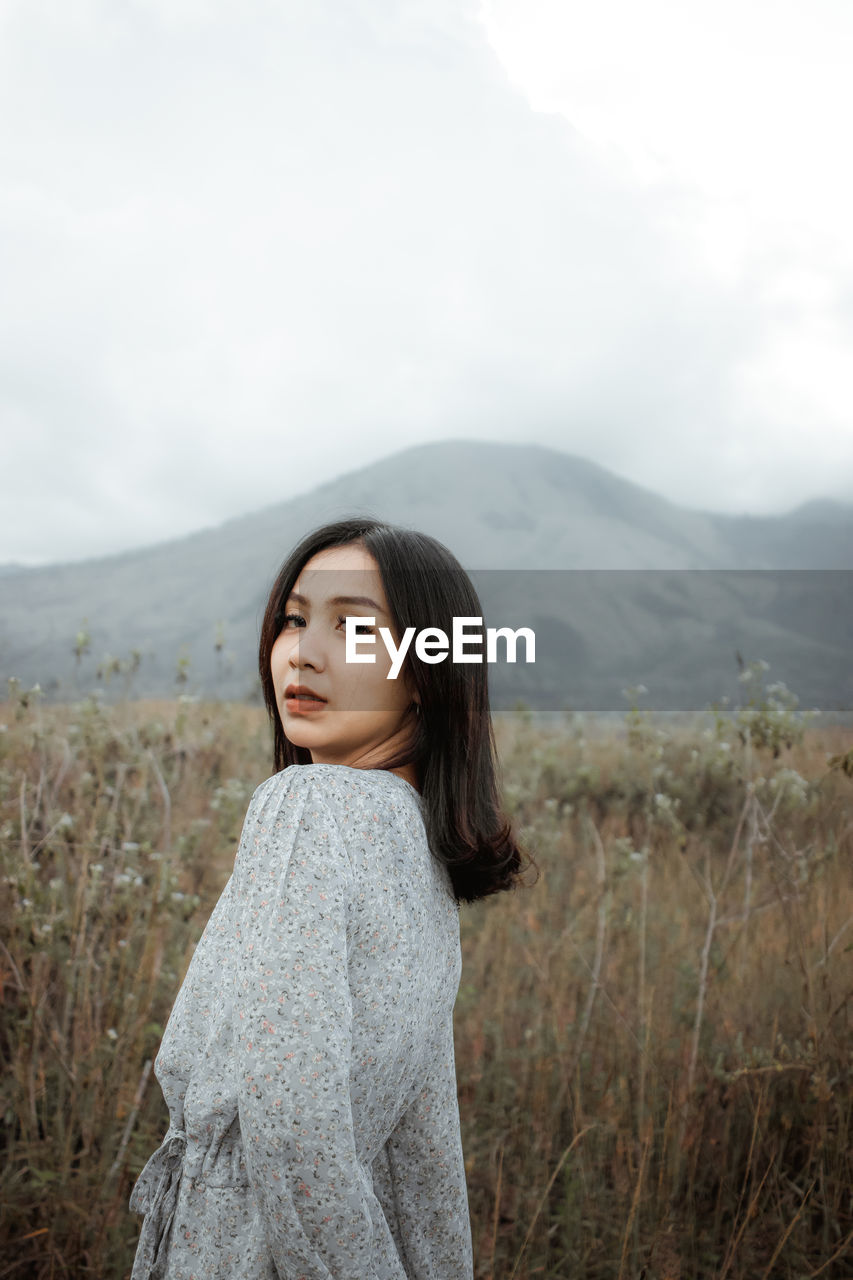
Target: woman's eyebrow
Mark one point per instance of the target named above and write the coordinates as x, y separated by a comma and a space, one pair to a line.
339, 600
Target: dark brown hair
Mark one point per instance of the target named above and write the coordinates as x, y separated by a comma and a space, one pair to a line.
452, 746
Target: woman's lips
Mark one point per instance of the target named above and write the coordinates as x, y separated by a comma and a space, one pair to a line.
301, 702
301, 706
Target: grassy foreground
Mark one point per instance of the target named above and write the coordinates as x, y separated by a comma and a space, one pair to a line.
653, 1041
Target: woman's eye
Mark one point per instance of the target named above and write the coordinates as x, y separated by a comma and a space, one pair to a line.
361, 628
293, 617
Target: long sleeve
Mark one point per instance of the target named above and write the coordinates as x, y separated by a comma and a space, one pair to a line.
193, 1018
420, 1179
293, 1038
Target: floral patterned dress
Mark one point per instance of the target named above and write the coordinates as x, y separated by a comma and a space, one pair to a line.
308, 1062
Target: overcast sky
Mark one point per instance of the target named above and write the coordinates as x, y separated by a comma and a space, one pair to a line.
248, 245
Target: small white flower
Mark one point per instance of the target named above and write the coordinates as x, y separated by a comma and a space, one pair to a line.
792, 782
112, 1033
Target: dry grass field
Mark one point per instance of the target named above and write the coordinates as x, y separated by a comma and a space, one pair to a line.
653, 1038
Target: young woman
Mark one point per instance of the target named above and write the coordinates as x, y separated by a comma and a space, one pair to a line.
308, 1062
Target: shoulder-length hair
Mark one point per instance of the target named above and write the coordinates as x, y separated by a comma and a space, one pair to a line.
452, 746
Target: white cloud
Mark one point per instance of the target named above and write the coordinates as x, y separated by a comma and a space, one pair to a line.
246, 248
737, 115
748, 102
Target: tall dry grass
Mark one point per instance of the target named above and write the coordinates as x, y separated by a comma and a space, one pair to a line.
653, 1041
117, 828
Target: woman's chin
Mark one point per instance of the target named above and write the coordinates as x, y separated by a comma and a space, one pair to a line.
300, 734
311, 738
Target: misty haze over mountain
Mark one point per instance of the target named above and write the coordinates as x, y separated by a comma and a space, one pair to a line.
621, 585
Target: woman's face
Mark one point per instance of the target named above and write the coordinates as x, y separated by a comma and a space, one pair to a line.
363, 711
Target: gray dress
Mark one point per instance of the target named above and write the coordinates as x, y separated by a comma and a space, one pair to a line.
308, 1061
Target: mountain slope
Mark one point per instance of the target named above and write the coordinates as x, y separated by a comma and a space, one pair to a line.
515, 509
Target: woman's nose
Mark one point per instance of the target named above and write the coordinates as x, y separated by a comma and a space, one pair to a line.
307, 652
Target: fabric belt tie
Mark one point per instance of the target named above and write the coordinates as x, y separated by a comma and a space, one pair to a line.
156, 1195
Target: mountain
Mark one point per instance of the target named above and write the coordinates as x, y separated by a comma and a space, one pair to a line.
620, 585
